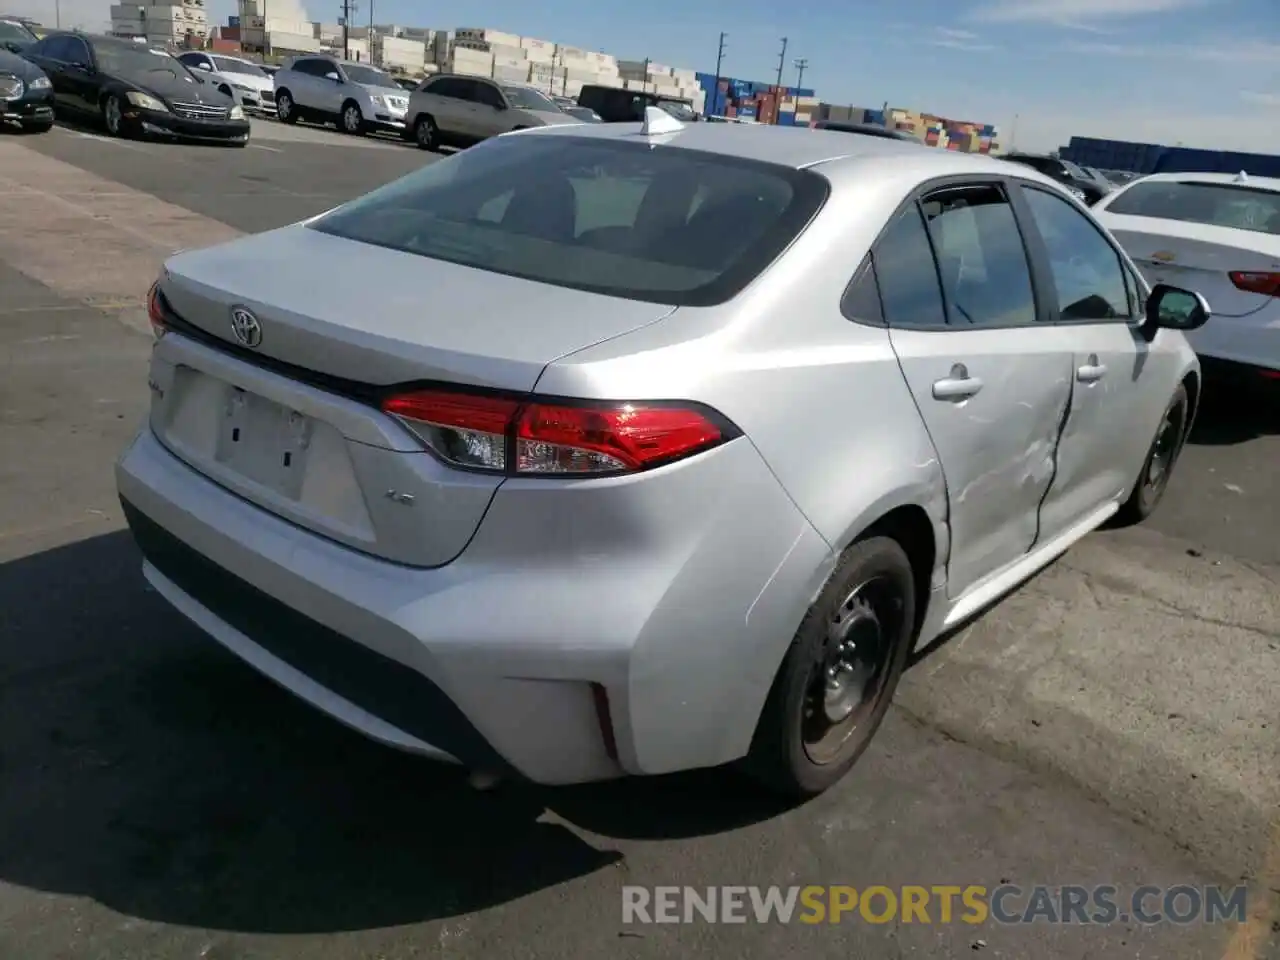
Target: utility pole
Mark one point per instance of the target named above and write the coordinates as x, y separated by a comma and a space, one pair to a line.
347, 7
782, 60
369, 41
645, 79
801, 66
715, 90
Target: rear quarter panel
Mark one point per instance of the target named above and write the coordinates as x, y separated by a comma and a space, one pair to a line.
821, 397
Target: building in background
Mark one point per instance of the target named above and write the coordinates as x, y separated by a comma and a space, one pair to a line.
162, 23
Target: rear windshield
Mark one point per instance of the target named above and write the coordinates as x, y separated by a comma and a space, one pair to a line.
672, 226
1216, 204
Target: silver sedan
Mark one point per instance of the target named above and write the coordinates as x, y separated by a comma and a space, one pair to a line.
642, 448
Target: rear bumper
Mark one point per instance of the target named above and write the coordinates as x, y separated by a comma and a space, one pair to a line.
498, 659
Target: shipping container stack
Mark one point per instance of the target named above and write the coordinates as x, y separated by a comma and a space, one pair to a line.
1147, 158
753, 100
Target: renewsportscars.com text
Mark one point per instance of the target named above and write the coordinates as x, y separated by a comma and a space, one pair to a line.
1005, 904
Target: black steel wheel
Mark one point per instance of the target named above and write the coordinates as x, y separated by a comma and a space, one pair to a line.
1161, 458
838, 678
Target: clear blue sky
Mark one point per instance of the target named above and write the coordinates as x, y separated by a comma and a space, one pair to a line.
1202, 72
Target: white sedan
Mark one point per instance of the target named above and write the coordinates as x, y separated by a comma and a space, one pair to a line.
1217, 234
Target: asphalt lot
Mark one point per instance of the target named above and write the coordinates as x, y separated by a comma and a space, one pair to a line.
1114, 721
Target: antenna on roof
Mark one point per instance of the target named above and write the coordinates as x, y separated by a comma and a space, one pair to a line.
1242, 177
658, 121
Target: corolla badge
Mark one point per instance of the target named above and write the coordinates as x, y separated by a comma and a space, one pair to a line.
1164, 256
246, 327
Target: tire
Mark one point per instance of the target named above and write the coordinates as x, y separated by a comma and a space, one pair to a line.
286, 109
112, 116
1162, 456
868, 604
425, 133
351, 120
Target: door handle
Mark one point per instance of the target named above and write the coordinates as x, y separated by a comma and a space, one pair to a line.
958, 386
1092, 371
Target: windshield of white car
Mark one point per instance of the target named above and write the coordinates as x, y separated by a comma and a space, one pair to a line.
223, 65
368, 76
669, 226
526, 98
1215, 204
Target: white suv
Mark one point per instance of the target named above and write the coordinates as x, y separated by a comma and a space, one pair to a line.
356, 96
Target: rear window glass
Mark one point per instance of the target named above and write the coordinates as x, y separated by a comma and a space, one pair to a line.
664, 225
1215, 204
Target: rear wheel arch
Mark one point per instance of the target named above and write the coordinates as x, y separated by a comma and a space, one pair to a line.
911, 526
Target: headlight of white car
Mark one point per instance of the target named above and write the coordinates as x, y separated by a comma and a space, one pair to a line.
237, 112
39, 83
146, 102
243, 88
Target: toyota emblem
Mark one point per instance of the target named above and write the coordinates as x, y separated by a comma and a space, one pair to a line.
246, 327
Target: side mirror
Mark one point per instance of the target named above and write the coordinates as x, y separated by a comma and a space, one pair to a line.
205, 67
334, 77
1175, 309
13, 46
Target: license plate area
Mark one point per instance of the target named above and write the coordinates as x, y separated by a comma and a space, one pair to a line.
264, 442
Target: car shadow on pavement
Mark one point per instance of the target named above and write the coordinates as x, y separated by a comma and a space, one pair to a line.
1235, 412
145, 768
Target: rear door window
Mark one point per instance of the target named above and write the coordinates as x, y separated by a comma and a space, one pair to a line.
670, 226
986, 274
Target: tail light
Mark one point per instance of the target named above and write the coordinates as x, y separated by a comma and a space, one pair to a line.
1267, 284
531, 436
155, 311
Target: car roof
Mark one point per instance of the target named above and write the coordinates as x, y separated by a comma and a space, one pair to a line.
1227, 179
801, 147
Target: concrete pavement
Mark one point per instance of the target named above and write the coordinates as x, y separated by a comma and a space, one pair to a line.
1113, 721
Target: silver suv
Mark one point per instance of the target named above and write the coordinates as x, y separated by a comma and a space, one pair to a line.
356, 96
451, 110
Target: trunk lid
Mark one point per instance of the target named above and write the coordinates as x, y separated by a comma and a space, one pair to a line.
1199, 257
314, 453
381, 317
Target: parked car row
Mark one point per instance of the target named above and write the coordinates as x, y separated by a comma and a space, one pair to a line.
676, 365
130, 89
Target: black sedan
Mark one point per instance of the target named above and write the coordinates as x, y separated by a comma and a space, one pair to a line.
1078, 183
26, 95
135, 91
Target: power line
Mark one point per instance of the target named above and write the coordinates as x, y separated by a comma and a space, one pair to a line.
801, 66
